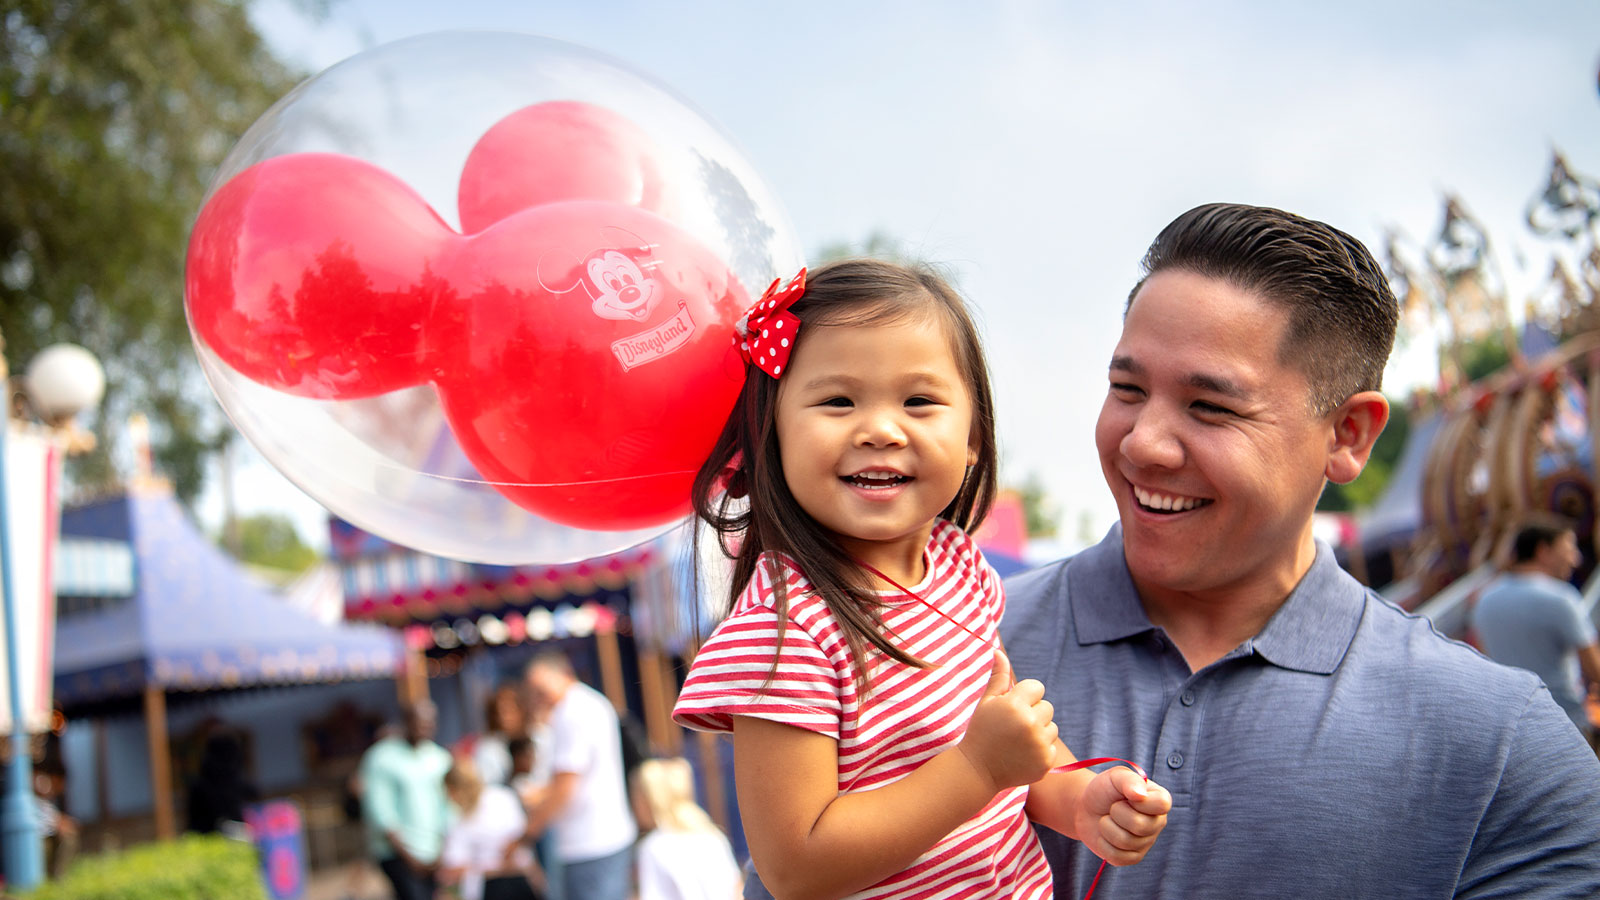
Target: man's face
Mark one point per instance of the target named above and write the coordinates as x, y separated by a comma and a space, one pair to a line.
1209, 444
545, 684
1560, 557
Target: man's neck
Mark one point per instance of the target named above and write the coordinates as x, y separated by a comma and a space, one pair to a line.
1203, 631
1208, 625
1530, 567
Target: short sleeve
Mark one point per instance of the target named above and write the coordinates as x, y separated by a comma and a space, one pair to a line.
574, 736
730, 674
1540, 836
993, 589
1576, 629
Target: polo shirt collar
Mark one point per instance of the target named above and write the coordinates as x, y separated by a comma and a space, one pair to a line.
1311, 632
1105, 604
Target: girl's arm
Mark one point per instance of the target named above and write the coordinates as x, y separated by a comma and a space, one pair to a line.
808, 840
1116, 813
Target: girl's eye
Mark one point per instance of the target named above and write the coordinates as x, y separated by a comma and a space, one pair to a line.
841, 402
920, 401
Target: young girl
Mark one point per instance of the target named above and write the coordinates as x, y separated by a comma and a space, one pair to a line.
880, 748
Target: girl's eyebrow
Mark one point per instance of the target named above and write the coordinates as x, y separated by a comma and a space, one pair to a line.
844, 380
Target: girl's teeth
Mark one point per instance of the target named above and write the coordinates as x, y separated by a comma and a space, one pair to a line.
876, 480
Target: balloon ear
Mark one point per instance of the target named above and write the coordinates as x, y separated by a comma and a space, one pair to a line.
557, 151
310, 273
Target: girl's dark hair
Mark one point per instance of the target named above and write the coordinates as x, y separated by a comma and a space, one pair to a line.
745, 464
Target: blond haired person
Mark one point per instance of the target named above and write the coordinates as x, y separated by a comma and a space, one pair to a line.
483, 850
686, 857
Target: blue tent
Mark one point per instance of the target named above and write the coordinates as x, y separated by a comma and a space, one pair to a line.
194, 619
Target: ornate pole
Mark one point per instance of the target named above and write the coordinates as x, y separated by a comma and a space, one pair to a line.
24, 853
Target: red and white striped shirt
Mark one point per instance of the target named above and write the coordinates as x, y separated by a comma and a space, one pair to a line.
910, 714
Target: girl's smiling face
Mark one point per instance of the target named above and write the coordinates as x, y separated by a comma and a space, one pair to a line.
874, 428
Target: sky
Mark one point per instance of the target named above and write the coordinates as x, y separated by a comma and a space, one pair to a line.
1035, 149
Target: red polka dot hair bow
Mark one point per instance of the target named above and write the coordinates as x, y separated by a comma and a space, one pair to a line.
766, 333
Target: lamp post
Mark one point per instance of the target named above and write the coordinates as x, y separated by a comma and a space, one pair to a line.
63, 380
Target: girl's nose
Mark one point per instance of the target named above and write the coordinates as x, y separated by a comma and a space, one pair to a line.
881, 429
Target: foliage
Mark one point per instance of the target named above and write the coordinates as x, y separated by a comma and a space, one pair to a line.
1483, 356
194, 867
878, 245
270, 540
1038, 511
113, 116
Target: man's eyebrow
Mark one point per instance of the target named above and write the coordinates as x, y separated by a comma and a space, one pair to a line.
1215, 384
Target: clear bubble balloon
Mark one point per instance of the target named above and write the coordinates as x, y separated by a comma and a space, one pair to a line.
476, 293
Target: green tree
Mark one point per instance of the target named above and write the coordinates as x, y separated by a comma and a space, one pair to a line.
1038, 511
878, 245
270, 540
113, 116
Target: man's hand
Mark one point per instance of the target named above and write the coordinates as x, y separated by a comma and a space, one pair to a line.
1011, 739
1120, 814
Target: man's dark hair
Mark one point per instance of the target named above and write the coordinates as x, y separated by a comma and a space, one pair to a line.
1342, 312
1535, 534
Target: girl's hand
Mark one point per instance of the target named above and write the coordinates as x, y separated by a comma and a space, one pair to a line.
1120, 814
1011, 739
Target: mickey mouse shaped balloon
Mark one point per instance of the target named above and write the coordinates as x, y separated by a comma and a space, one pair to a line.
536, 383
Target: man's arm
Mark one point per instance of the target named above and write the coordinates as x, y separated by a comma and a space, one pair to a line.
557, 794
1540, 835
380, 803
1589, 662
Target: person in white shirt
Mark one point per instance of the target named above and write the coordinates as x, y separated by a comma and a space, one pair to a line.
586, 801
686, 856
483, 850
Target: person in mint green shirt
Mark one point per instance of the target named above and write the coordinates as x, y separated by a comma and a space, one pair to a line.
403, 803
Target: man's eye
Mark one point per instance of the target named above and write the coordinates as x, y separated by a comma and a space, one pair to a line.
1211, 408
1123, 389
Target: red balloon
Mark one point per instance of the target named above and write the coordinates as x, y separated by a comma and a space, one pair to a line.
561, 150
311, 273
594, 365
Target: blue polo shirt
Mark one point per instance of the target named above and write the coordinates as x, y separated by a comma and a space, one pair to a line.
1348, 750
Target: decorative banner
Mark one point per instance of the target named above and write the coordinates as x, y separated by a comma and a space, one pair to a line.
279, 836
32, 469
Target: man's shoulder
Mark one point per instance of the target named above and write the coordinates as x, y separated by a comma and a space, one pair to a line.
1041, 581
1410, 649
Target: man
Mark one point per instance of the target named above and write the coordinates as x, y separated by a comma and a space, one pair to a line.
403, 802
1317, 741
586, 802
1532, 618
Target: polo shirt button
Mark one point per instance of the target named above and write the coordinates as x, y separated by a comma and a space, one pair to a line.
1187, 699
1175, 760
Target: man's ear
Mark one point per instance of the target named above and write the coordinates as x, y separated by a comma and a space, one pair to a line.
1355, 426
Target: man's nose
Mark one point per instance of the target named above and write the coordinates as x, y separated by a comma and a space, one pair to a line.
1153, 439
